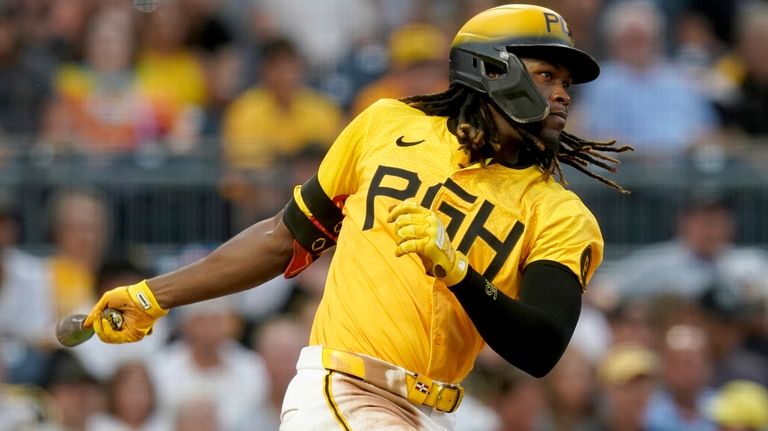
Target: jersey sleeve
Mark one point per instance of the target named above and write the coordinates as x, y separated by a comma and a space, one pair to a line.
337, 173
314, 214
569, 234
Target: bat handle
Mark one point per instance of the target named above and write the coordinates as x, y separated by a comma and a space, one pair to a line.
70, 331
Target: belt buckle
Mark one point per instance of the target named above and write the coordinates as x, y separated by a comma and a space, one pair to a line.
456, 401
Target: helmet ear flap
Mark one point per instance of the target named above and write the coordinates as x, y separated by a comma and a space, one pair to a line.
514, 91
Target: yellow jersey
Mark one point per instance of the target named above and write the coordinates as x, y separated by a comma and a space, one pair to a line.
502, 218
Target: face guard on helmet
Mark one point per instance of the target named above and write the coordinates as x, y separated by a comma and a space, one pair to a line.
486, 52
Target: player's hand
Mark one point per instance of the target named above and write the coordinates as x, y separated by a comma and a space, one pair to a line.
419, 230
138, 307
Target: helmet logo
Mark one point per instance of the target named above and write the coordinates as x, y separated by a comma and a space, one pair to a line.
551, 18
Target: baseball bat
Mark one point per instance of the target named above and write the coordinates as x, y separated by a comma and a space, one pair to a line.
70, 331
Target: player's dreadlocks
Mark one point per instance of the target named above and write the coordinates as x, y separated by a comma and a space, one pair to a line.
471, 121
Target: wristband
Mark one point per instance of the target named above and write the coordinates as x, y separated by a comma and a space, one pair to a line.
142, 295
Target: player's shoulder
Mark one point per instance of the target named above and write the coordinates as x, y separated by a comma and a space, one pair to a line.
530, 188
391, 116
552, 193
552, 198
392, 107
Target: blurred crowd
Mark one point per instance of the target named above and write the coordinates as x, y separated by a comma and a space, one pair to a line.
673, 335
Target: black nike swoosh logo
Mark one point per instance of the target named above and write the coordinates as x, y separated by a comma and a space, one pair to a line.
401, 143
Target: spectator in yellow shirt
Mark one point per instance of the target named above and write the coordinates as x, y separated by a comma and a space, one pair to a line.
172, 75
279, 116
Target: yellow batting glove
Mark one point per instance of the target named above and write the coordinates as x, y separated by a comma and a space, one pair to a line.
419, 230
139, 310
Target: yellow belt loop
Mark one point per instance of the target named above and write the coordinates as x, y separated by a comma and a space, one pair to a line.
419, 388
344, 362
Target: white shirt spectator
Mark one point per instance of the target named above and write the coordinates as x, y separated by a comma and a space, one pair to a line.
102, 359
237, 386
673, 268
25, 308
324, 31
207, 365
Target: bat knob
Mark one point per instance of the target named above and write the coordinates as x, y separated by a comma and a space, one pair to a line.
114, 317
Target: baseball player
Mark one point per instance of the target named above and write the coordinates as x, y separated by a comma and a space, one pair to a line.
450, 229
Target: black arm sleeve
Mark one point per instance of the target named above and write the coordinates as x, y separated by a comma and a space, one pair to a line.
531, 333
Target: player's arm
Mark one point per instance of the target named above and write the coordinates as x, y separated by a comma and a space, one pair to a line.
286, 243
257, 254
530, 333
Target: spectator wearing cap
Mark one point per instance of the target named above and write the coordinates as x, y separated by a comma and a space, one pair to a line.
417, 54
724, 314
740, 406
627, 376
632, 321
702, 250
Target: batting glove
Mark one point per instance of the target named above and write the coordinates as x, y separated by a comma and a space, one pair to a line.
419, 230
139, 310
